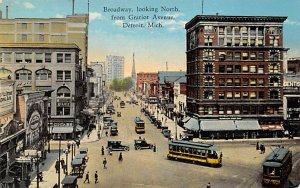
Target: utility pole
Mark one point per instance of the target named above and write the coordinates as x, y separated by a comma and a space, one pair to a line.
59, 147
202, 7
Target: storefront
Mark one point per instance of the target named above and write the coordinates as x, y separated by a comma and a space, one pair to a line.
63, 127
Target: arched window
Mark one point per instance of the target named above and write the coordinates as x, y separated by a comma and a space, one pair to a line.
43, 74
274, 94
63, 92
23, 74
274, 81
5, 73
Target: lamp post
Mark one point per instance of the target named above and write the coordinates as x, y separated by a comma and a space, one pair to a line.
175, 125
67, 152
37, 163
59, 148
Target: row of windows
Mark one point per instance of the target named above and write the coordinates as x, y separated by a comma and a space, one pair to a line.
42, 74
34, 57
239, 69
260, 69
25, 37
244, 30
245, 109
235, 56
274, 94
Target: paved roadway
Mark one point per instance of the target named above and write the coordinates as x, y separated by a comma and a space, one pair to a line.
145, 168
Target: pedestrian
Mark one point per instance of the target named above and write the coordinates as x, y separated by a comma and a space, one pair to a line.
69, 145
88, 134
120, 157
106, 133
180, 136
102, 150
208, 185
87, 177
57, 166
104, 163
257, 145
96, 177
221, 155
62, 162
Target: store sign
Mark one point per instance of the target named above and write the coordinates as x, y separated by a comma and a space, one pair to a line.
63, 124
291, 84
34, 116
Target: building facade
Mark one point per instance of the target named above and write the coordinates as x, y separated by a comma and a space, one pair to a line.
146, 84
48, 67
12, 131
114, 67
72, 29
291, 103
180, 97
293, 65
235, 68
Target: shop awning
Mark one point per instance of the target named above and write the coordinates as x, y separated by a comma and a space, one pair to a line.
229, 125
250, 125
192, 124
79, 128
55, 130
272, 127
217, 125
69, 180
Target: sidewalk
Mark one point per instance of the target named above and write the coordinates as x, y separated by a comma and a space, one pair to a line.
50, 177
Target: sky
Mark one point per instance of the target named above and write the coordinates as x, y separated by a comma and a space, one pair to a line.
153, 47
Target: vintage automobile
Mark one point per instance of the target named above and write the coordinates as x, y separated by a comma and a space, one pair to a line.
114, 130
119, 114
166, 133
122, 104
158, 124
69, 182
152, 118
142, 144
83, 150
116, 146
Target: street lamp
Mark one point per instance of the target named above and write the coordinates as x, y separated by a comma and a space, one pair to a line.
59, 148
67, 152
36, 159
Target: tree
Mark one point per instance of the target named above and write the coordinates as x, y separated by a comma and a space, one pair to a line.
121, 85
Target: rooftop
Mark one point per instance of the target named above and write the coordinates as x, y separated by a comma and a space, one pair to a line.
39, 45
221, 18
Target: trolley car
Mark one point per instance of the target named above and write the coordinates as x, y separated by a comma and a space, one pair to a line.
194, 152
277, 167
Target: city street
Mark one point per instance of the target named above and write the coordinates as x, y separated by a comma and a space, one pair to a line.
145, 168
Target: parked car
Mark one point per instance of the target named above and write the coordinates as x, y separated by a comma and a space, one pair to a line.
116, 146
147, 113
166, 133
142, 144
152, 119
163, 127
158, 124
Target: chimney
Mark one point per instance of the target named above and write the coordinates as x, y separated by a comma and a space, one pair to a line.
73, 4
6, 12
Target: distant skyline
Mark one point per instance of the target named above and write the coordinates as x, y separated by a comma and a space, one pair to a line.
153, 47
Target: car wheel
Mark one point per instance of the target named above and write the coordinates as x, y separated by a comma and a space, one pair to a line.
138, 147
126, 148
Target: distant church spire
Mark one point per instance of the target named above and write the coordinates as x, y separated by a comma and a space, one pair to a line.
133, 74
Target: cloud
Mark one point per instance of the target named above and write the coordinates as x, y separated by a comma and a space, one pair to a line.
28, 5
59, 16
291, 22
119, 22
95, 16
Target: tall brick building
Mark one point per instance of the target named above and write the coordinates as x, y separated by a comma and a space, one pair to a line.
235, 68
146, 83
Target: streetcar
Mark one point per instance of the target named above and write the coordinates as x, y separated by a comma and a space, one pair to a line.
277, 167
194, 152
139, 125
